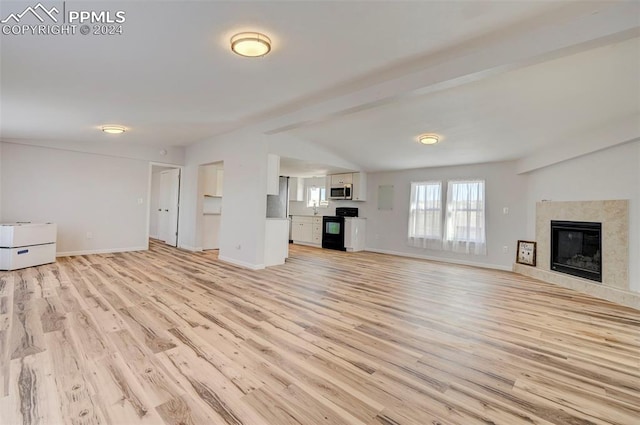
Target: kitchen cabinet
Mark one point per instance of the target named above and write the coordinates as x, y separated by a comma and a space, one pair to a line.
296, 189
354, 233
306, 230
359, 187
316, 233
358, 182
273, 174
341, 179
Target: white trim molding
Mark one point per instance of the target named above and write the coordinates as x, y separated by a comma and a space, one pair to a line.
441, 260
101, 251
242, 264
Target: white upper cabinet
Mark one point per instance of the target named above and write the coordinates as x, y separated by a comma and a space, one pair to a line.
273, 174
358, 182
339, 179
296, 189
359, 188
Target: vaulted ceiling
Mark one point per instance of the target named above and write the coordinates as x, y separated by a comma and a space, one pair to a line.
496, 80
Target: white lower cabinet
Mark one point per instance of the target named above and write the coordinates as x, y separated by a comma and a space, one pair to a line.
316, 232
354, 233
306, 230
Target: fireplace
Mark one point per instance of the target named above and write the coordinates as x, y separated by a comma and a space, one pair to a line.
576, 249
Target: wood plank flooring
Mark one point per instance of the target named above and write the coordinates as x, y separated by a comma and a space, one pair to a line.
176, 338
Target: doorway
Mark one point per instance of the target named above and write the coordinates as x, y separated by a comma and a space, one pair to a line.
211, 178
164, 204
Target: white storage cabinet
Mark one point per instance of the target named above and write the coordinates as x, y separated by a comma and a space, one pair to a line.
354, 233
26, 245
306, 230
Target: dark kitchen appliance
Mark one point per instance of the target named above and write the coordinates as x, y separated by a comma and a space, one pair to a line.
333, 228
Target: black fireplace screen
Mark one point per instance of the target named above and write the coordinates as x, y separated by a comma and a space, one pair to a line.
576, 249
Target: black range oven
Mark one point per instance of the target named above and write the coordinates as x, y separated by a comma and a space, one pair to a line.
333, 228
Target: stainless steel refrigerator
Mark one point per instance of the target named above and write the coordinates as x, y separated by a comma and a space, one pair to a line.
278, 205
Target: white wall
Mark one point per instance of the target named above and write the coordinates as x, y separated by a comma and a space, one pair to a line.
244, 200
613, 173
81, 192
116, 148
387, 229
293, 147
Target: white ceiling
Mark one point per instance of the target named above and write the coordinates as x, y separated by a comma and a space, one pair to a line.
498, 118
497, 80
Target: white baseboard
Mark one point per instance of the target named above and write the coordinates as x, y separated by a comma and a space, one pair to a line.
100, 251
314, 245
241, 263
442, 260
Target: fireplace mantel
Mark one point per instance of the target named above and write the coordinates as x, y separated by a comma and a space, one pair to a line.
614, 216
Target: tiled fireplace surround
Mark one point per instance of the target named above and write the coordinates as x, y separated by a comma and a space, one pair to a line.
614, 216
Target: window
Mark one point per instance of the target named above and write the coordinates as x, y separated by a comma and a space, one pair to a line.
425, 215
463, 227
465, 223
317, 197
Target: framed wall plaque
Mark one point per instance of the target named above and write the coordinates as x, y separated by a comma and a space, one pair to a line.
526, 253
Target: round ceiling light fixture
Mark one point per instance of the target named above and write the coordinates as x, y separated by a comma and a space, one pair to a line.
428, 139
113, 129
250, 44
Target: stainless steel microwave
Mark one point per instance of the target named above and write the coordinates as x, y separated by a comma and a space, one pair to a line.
340, 192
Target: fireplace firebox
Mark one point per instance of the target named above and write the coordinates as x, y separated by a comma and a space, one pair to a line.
576, 249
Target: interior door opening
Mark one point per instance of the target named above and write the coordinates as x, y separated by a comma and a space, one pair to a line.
211, 178
164, 204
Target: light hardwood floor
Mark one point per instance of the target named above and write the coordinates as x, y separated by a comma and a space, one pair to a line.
170, 337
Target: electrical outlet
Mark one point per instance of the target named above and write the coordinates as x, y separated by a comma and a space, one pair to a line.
140, 201
505, 249
505, 210
89, 235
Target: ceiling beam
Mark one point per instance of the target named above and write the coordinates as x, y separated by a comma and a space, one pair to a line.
574, 28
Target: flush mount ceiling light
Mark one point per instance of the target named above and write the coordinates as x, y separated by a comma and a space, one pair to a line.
428, 139
113, 129
250, 44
